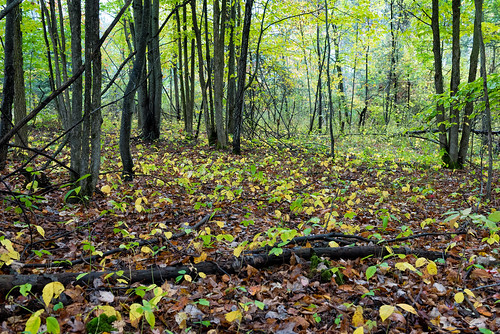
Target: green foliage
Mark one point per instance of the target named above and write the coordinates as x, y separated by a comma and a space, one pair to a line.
101, 324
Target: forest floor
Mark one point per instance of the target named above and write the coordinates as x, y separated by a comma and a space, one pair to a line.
191, 205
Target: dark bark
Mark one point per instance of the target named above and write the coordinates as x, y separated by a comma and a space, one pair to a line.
438, 79
19, 88
128, 100
152, 117
328, 80
242, 64
262, 260
75, 16
231, 68
469, 107
218, 79
455, 81
8, 84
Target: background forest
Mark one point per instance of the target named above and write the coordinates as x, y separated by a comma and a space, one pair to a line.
249, 166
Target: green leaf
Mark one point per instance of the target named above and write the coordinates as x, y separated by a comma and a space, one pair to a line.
33, 323
370, 271
53, 325
204, 302
494, 216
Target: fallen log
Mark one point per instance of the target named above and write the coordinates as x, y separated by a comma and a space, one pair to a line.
159, 274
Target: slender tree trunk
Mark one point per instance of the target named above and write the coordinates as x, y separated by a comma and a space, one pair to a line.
75, 135
242, 65
438, 79
180, 69
152, 116
487, 109
219, 34
189, 111
340, 87
364, 112
455, 81
128, 100
328, 81
469, 107
231, 68
91, 143
8, 84
390, 75
21, 138
212, 137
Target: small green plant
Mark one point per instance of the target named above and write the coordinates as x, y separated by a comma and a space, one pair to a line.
101, 324
148, 307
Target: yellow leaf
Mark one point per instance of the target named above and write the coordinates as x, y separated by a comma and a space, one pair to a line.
188, 278
202, 275
459, 297
277, 213
168, 235
359, 330
109, 311
470, 293
405, 265
33, 323
237, 251
40, 230
220, 223
138, 205
357, 318
146, 249
420, 262
106, 189
386, 311
232, 316
51, 290
407, 308
135, 314
200, 258
333, 244
432, 268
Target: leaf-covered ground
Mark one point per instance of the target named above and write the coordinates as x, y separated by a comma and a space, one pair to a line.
256, 202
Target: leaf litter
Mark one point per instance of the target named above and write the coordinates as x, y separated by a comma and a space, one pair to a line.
258, 203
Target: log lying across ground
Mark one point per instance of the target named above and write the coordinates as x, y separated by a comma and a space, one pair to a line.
158, 275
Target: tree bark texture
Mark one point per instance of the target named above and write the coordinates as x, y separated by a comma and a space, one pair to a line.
128, 100
75, 135
455, 81
219, 34
21, 138
438, 79
242, 67
8, 84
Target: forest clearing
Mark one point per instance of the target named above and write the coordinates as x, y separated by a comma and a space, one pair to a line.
249, 166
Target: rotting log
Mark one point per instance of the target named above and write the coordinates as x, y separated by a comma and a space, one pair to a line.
158, 275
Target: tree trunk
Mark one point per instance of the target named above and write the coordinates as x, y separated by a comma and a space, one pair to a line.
91, 142
469, 107
21, 138
231, 77
212, 132
219, 34
242, 65
180, 69
487, 110
438, 79
152, 116
75, 135
128, 99
455, 81
189, 111
8, 84
328, 80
